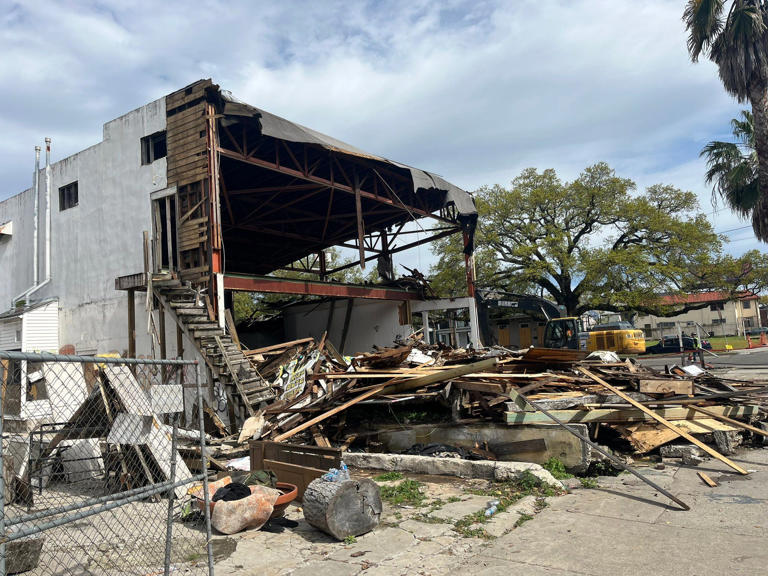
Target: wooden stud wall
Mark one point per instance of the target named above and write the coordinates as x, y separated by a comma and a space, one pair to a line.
186, 137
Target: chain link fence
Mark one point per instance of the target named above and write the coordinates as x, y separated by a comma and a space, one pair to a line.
102, 467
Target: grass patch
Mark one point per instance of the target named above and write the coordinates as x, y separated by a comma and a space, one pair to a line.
588, 482
556, 468
389, 476
507, 493
350, 540
426, 519
523, 519
406, 492
471, 526
453, 499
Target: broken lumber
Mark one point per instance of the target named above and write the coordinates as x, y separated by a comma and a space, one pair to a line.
712, 452
707, 480
730, 420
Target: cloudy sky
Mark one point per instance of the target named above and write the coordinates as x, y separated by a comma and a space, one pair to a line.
475, 90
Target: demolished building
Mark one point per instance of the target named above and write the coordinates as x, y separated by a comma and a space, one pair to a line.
194, 196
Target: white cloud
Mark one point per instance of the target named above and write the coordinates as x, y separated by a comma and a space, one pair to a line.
475, 91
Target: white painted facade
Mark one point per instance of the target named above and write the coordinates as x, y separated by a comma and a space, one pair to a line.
91, 243
724, 318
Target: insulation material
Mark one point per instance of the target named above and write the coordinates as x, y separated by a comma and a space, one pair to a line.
132, 429
65, 383
167, 399
137, 401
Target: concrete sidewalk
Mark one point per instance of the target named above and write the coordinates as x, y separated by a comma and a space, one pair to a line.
624, 528
621, 528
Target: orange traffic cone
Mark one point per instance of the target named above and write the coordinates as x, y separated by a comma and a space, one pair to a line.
763, 339
749, 342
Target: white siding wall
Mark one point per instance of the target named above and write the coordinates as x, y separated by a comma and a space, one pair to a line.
40, 329
8, 331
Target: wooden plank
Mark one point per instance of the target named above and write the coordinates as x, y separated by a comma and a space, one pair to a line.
707, 480
233, 375
661, 420
645, 436
196, 111
623, 415
329, 413
729, 420
665, 386
278, 347
319, 437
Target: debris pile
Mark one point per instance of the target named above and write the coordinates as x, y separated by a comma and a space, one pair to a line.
316, 388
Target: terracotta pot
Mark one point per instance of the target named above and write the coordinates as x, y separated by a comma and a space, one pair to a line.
288, 495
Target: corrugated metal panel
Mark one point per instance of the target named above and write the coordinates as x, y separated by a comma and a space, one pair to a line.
8, 332
40, 329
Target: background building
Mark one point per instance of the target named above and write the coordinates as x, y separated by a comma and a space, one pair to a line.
718, 315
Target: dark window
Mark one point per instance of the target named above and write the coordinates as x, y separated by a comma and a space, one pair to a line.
716, 306
666, 324
68, 196
153, 147
746, 304
716, 321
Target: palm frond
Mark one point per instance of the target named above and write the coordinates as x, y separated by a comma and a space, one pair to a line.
703, 21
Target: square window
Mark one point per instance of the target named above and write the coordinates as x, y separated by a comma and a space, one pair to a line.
68, 196
153, 147
746, 304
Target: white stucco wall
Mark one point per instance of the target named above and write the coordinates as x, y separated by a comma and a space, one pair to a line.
93, 242
372, 322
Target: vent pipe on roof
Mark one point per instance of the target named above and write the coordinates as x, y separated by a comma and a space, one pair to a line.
34, 289
35, 256
47, 209
35, 227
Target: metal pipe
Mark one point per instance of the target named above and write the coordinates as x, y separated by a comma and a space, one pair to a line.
47, 220
605, 453
35, 255
35, 226
47, 209
2, 481
141, 491
171, 493
48, 357
204, 461
37, 528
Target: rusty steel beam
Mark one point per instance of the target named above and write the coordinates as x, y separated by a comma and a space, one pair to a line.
399, 249
315, 288
277, 167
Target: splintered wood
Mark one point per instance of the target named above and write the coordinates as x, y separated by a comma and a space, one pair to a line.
323, 397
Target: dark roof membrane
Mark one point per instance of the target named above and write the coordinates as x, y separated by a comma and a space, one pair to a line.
280, 128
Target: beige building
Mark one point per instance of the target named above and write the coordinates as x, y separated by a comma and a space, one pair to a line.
720, 316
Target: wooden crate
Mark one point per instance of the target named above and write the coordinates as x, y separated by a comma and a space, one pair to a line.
293, 463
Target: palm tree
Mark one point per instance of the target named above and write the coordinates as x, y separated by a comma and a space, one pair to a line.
737, 41
732, 167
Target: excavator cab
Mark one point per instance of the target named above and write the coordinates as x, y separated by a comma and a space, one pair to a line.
561, 333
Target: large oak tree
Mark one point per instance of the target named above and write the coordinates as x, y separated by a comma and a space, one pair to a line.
595, 243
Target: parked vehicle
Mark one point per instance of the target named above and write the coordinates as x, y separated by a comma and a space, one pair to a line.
671, 344
757, 331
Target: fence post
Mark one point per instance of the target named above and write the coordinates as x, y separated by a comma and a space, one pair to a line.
2, 476
204, 460
171, 490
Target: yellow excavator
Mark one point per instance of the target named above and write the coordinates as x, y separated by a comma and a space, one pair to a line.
564, 331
